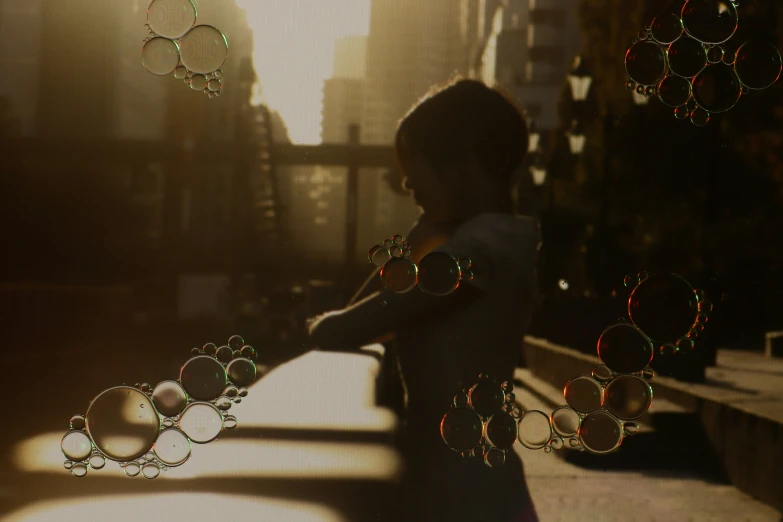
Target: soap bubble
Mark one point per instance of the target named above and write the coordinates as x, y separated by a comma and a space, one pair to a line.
76, 445
201, 422
160, 56
248, 352
79, 470
534, 429
495, 457
645, 63
224, 354
123, 423
486, 397
630, 428
664, 307
198, 82
204, 49
171, 18
565, 421
583, 394
758, 64
674, 91
715, 54
624, 348
666, 28
378, 255
686, 57
214, 85
710, 21
181, 72
97, 461
439, 273
235, 342
241, 372
223, 403
132, 469
700, 117
600, 433
169, 398
77, 422
172, 447
210, 348
501, 430
399, 275
628, 397
681, 112
684, 344
602, 373
150, 470
461, 429
716, 88
230, 422
203, 378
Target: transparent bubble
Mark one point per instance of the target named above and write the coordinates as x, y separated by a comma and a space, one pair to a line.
681, 112
705, 307
247, 352
692, 105
76, 445
224, 354
687, 57
674, 91
666, 28
461, 400
583, 394
623, 347
122, 423
664, 307
230, 422
631, 280
639, 90
645, 63
237, 353
486, 397
198, 82
501, 430
146, 388
668, 349
556, 443
223, 403
171, 18
203, 378
565, 421
79, 470
168, 423
600, 433
495, 457
685, 344
648, 374
243, 392
642, 35
201, 422
629, 86
399, 275
510, 397
534, 429
77, 422
461, 429
169, 398
716, 88
67, 464
97, 461
218, 74
602, 373
172, 447
378, 255
758, 64
702, 318
131, 469
650, 91
710, 21
160, 56
241, 372
150, 471
628, 397
574, 442
547, 449
149, 456
715, 54
438, 273
210, 348
195, 351
237, 400
630, 428
235, 342
181, 72
700, 117
231, 392
204, 49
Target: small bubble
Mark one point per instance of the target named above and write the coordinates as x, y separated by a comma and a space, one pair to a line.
494, 457
681, 112
379, 255
629, 85
77, 422
583, 394
97, 461
547, 449
642, 35
79, 470
209, 348
168, 423
194, 351
640, 89
685, 345
631, 428
150, 471
230, 422
649, 91
631, 281
461, 429
67, 464
243, 392
602, 373
198, 82
668, 349
648, 374
705, 307
218, 74
237, 400
224, 354
534, 429
574, 442
132, 469
556, 443
248, 351
235, 342
461, 400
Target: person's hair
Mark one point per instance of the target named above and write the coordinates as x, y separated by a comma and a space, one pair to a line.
462, 121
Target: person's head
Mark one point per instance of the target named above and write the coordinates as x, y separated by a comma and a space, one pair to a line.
458, 148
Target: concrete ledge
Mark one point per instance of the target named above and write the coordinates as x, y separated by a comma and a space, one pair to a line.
746, 432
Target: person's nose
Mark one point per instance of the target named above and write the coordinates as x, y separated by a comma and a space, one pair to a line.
406, 183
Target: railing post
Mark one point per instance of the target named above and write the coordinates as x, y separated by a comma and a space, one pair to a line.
352, 200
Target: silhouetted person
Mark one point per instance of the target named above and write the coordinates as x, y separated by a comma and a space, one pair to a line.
458, 148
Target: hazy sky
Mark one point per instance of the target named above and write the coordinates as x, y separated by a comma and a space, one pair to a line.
293, 55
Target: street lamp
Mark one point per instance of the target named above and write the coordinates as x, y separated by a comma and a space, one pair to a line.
579, 79
576, 138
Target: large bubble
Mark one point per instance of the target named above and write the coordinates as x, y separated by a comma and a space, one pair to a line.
565, 421
710, 21
399, 275
600, 433
201, 422
439, 273
204, 49
666, 28
172, 447
583, 394
501, 430
758, 64
534, 429
241, 371
628, 397
674, 91
486, 397
76, 445
687, 57
123, 423
203, 377
664, 307
160, 56
171, 18
461, 429
624, 348
645, 62
717, 88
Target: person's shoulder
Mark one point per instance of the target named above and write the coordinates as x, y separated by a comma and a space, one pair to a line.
501, 232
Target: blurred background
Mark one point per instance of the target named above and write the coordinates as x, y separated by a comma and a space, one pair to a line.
139, 219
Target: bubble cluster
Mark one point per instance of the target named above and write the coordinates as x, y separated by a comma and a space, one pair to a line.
149, 429
175, 44
437, 273
683, 59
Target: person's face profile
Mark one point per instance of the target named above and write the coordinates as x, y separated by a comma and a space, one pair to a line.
429, 190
